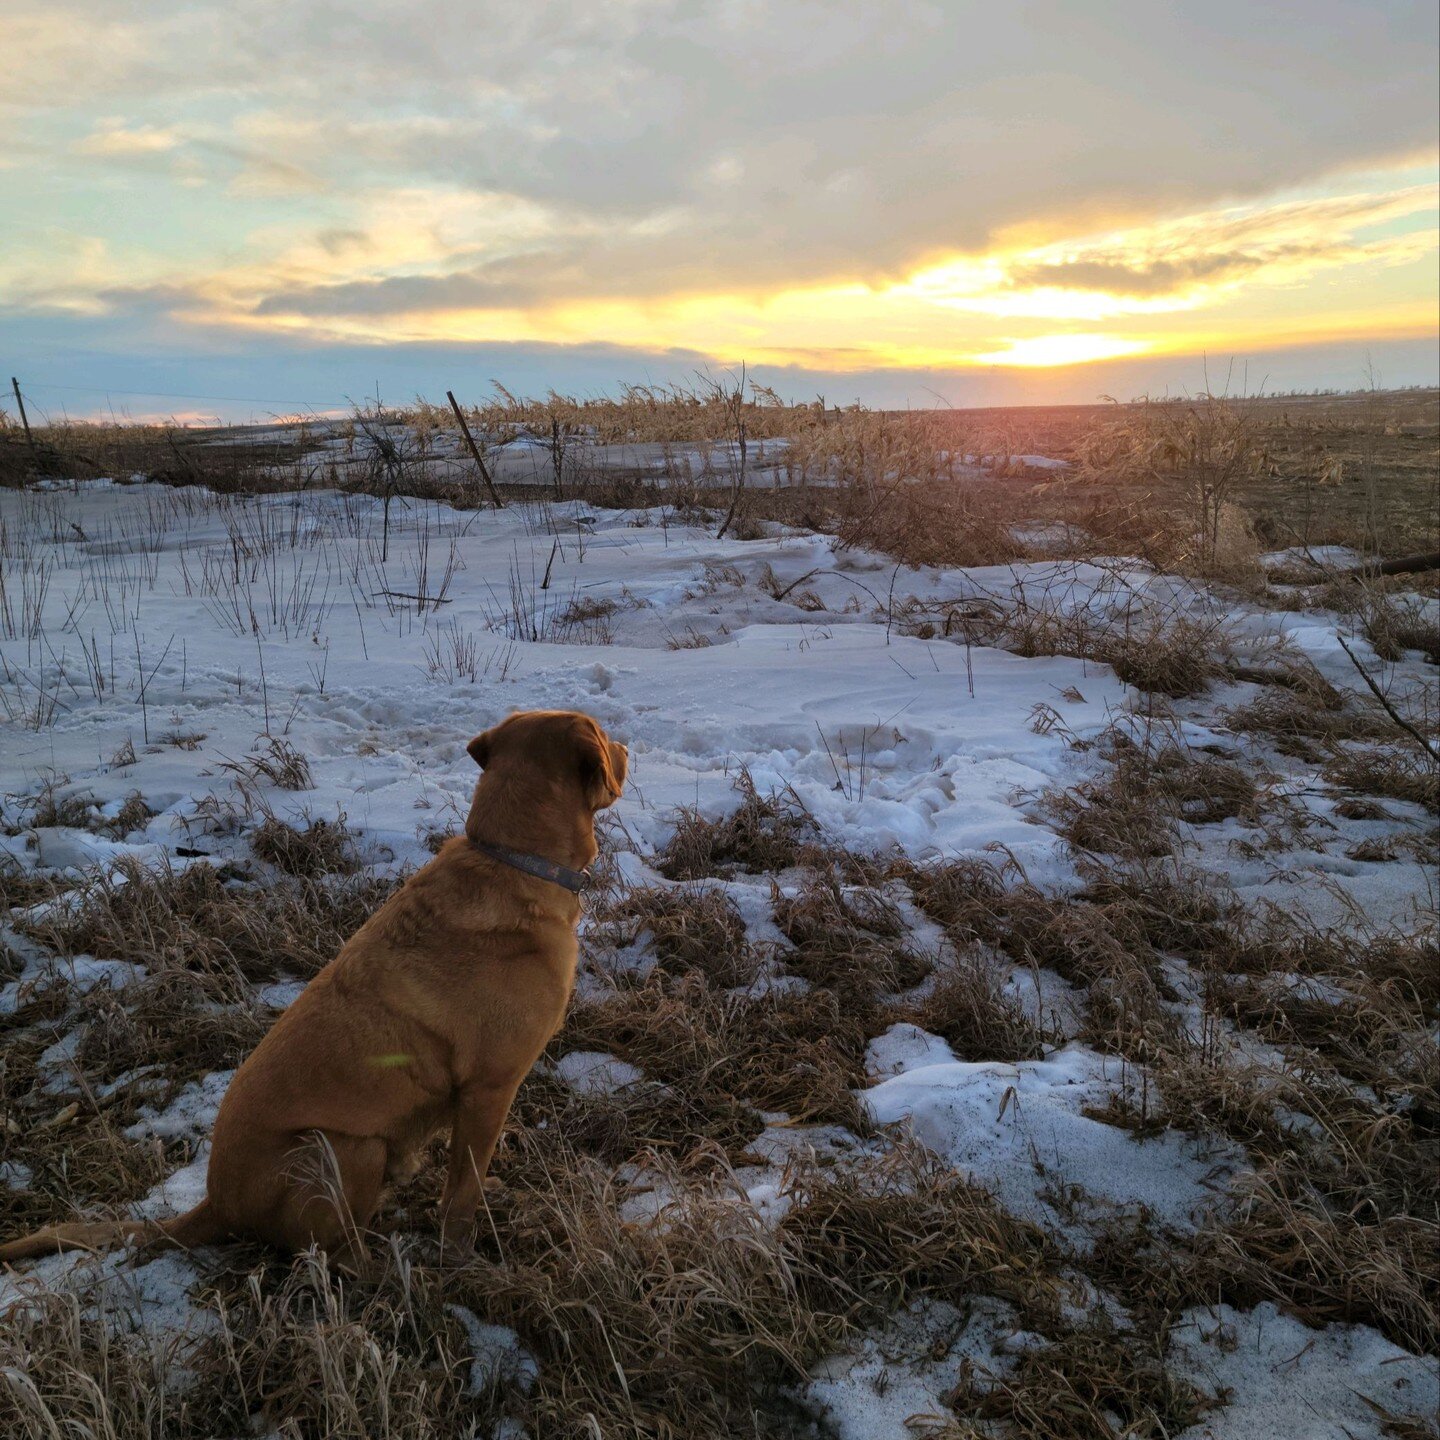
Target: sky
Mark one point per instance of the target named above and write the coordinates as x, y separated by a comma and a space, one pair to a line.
272, 206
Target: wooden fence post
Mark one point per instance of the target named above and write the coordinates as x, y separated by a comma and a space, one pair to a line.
475, 451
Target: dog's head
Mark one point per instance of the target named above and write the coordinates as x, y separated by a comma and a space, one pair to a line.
561, 747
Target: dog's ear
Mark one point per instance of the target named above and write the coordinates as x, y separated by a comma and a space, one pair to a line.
479, 749
602, 765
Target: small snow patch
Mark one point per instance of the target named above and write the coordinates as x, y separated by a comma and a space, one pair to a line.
1283, 1378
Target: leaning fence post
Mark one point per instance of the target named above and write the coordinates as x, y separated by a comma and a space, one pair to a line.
24, 419
475, 451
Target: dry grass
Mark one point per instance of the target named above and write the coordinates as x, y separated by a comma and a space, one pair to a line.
1100, 941
973, 1008
289, 1347
775, 1050
1290, 1242
1170, 657
167, 1030
1394, 772
275, 761
763, 834
73, 1149
692, 1128
965, 897
880, 1231
207, 920
226, 460
323, 847
664, 1329
1395, 626
1153, 647
690, 928
1089, 1383
1136, 807
849, 940
19, 886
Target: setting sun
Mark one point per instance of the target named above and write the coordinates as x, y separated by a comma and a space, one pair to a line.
1042, 350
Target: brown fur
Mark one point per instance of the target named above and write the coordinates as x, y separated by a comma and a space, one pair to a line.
430, 1017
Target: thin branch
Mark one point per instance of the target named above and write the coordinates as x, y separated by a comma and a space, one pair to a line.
1384, 700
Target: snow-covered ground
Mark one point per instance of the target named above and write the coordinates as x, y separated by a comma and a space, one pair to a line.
155, 638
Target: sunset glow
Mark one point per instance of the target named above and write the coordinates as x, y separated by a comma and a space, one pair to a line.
153, 220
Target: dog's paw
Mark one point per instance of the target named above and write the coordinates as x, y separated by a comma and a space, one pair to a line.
457, 1249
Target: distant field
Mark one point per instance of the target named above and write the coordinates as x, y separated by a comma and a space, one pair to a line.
1359, 469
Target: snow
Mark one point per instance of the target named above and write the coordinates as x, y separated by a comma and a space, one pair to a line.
1281, 1378
497, 1355
190, 1116
593, 1073
901, 1373
1019, 1129
1329, 557
178, 632
888, 738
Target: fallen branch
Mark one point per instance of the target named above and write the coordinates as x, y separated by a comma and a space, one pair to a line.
1401, 565
405, 595
1426, 745
781, 594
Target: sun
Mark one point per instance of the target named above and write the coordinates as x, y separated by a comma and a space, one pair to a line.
1043, 350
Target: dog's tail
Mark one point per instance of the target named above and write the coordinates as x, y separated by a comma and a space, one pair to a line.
196, 1227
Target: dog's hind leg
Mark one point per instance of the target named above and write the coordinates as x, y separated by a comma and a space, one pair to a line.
333, 1189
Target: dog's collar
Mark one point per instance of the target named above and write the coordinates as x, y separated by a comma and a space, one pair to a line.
543, 869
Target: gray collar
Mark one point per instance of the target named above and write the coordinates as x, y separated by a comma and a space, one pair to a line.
543, 869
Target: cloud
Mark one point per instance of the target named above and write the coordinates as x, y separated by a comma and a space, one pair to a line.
782, 142
809, 179
112, 138
1291, 239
